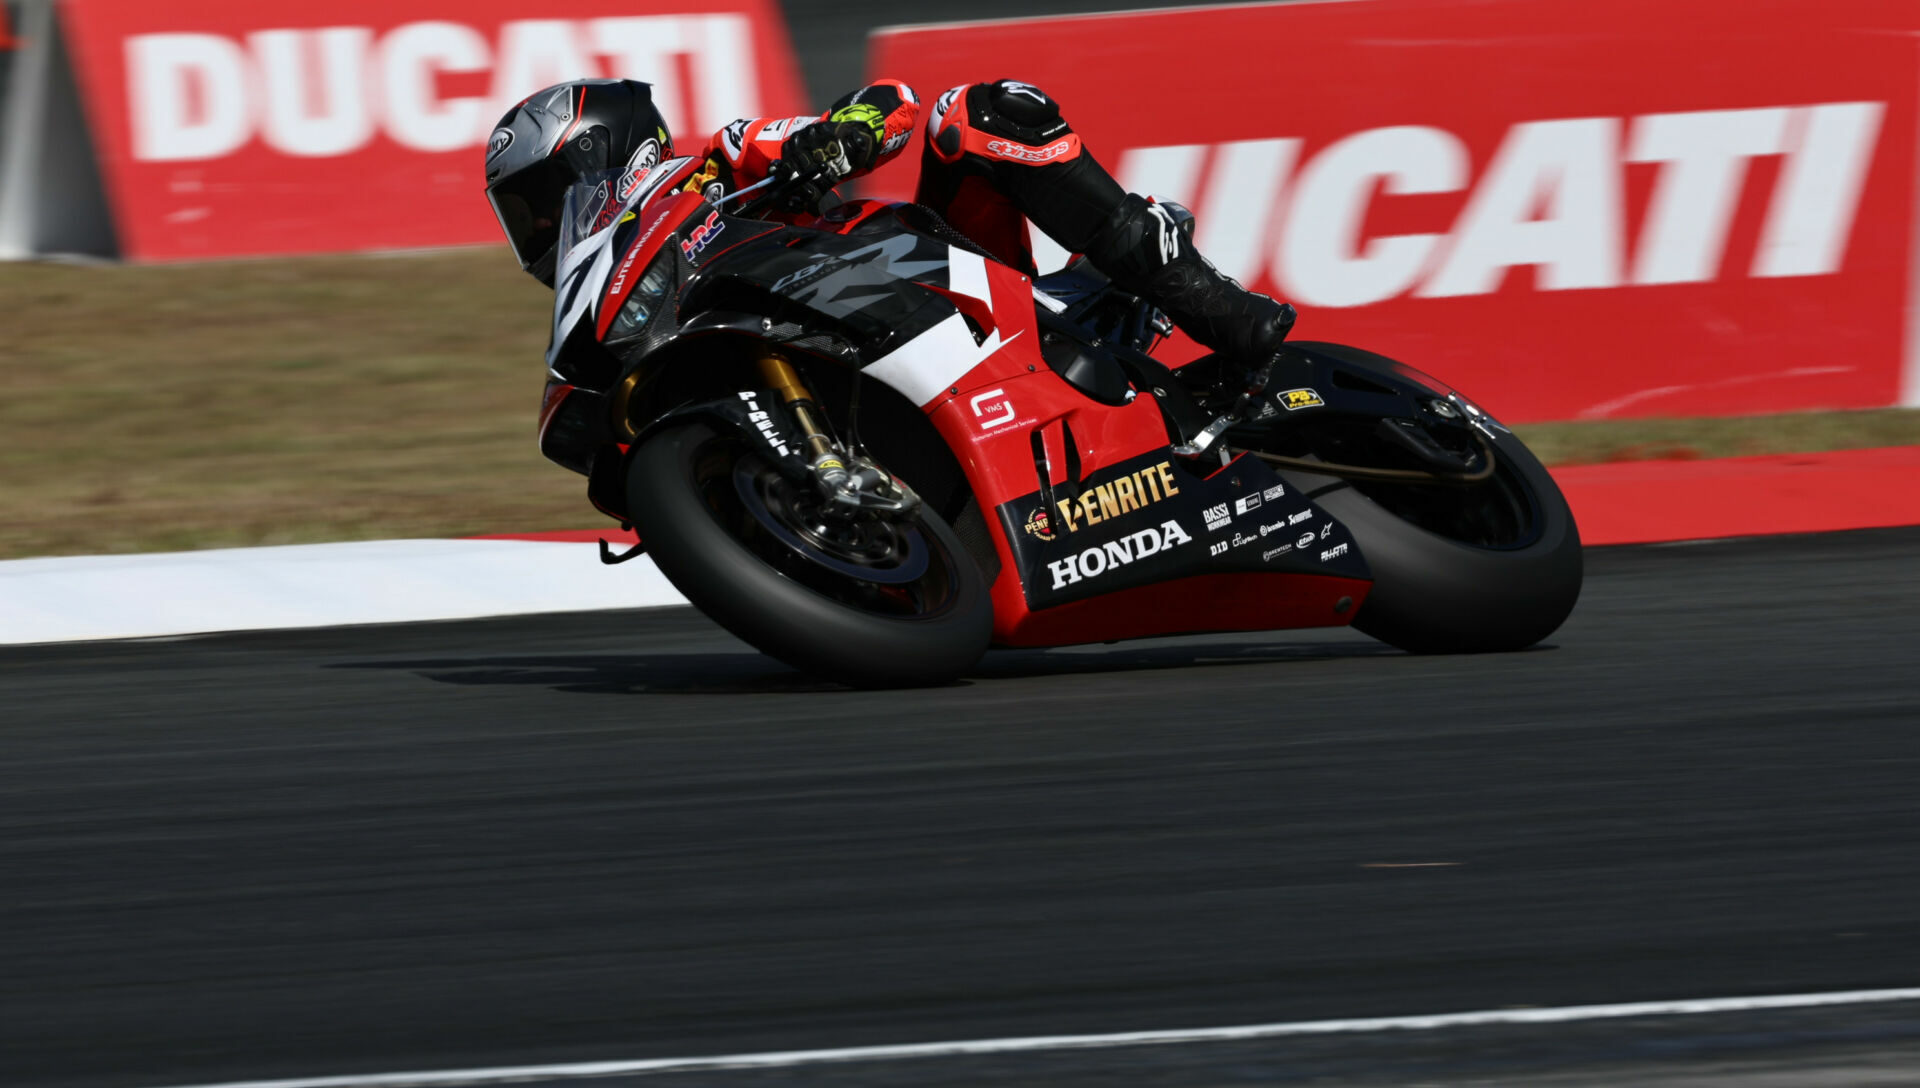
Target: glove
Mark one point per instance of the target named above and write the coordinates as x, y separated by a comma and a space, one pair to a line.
846, 143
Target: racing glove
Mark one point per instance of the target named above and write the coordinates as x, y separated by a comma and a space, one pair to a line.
846, 143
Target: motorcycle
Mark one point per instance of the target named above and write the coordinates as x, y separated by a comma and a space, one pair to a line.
869, 449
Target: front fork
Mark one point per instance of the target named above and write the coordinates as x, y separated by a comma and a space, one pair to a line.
848, 482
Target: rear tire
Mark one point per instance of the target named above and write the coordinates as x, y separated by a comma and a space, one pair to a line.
708, 543
1436, 594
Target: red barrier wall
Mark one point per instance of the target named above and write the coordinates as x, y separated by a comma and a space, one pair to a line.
226, 127
1622, 207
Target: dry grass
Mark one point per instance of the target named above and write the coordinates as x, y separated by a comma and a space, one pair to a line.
347, 398
268, 402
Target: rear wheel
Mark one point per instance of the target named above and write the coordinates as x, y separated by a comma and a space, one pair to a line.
870, 601
1493, 566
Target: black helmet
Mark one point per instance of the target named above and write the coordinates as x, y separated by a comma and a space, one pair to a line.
553, 139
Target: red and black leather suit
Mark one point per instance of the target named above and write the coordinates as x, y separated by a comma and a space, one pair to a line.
998, 154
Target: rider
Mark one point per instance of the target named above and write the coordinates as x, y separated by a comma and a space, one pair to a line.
995, 153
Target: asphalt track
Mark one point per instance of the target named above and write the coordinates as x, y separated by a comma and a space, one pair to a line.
625, 835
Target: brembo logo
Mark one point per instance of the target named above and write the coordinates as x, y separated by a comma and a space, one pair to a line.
1115, 554
1552, 197
332, 91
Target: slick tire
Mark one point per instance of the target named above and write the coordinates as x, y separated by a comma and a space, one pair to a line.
1435, 595
782, 618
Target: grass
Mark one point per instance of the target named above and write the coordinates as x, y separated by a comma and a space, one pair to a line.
353, 398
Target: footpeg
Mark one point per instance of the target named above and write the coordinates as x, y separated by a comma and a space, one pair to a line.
1257, 379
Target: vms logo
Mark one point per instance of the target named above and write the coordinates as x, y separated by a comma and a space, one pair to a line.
992, 408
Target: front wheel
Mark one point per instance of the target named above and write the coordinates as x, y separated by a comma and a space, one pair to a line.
872, 603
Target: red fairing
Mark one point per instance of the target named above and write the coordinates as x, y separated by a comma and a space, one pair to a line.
1208, 602
989, 416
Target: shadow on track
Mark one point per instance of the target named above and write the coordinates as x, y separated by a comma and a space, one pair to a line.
755, 674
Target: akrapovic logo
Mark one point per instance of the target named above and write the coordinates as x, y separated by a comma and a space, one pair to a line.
1114, 554
1553, 197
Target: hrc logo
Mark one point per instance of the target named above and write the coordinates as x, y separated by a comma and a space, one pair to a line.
703, 234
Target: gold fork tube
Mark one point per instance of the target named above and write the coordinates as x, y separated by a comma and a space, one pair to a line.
777, 372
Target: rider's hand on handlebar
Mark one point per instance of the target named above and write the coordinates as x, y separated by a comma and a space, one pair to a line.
825, 152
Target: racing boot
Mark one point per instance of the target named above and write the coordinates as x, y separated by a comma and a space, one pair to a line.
1144, 247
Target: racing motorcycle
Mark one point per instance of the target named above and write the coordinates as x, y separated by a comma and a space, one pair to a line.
870, 450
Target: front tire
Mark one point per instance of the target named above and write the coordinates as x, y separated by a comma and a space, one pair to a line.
690, 493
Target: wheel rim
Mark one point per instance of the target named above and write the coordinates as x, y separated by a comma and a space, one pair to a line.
873, 565
1504, 513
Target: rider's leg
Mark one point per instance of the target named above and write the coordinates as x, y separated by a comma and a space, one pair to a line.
1009, 138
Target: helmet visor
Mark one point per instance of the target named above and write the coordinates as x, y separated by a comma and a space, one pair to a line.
528, 204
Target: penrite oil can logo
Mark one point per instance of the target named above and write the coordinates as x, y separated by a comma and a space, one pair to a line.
1040, 525
1107, 501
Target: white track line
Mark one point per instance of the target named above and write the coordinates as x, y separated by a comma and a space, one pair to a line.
771, 1059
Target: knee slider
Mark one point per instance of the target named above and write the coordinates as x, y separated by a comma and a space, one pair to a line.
1018, 111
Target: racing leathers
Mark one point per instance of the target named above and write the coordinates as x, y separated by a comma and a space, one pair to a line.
997, 155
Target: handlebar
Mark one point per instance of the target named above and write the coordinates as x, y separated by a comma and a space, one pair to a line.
783, 183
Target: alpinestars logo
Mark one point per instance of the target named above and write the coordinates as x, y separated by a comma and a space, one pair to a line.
1025, 90
1115, 554
1007, 149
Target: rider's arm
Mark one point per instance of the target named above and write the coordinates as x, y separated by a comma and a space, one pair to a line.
742, 153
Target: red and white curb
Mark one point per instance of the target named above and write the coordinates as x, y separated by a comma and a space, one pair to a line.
400, 581
312, 585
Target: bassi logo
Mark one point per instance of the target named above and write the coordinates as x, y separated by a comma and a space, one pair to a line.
1038, 524
1109, 500
1296, 399
1337, 549
703, 235
992, 408
1246, 504
1115, 554
1216, 516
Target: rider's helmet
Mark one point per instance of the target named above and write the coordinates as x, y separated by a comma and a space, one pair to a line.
553, 139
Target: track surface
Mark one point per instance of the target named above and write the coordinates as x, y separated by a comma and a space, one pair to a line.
627, 835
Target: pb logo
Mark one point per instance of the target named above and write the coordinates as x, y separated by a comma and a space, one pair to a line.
1296, 399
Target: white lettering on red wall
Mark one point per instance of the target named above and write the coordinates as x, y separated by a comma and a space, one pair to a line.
1551, 197
327, 92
